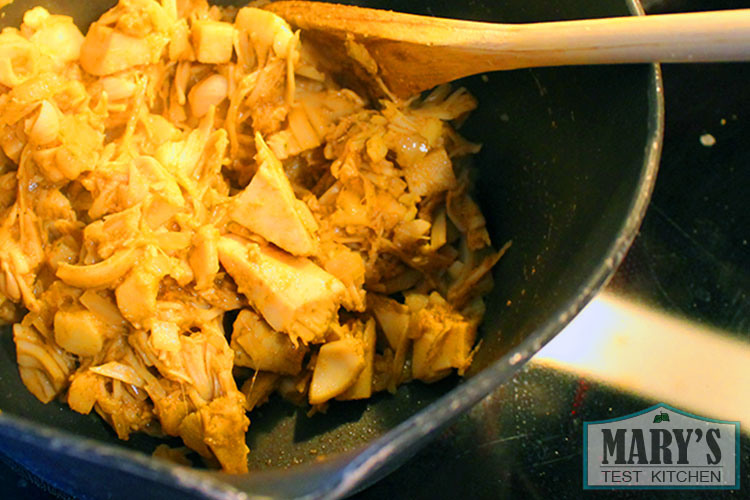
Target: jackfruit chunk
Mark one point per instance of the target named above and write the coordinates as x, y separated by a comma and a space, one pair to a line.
269, 208
267, 30
362, 387
136, 296
224, 427
430, 174
338, 365
79, 332
46, 126
393, 318
444, 341
56, 36
211, 91
204, 257
266, 349
213, 41
105, 51
165, 336
348, 266
97, 275
258, 388
294, 295
83, 391
43, 366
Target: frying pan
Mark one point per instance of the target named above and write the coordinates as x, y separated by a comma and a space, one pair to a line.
569, 160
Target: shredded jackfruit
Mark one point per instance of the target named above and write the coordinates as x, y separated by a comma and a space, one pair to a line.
183, 162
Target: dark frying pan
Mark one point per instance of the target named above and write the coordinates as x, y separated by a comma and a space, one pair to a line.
569, 159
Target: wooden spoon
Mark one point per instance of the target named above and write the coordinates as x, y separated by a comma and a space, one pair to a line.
413, 53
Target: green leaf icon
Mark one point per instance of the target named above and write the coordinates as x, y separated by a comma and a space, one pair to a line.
665, 417
657, 419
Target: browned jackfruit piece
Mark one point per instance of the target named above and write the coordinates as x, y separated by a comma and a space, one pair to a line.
79, 332
136, 296
224, 427
204, 256
268, 207
44, 367
267, 30
362, 387
349, 267
132, 33
264, 348
392, 317
430, 174
213, 41
294, 295
101, 274
56, 36
83, 391
170, 404
444, 339
337, 368
258, 388
105, 51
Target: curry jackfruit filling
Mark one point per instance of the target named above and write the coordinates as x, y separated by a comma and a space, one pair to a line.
182, 167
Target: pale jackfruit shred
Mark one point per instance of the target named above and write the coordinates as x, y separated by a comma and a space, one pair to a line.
185, 166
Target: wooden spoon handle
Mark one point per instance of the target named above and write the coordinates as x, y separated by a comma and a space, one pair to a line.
686, 37
691, 37
415, 53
